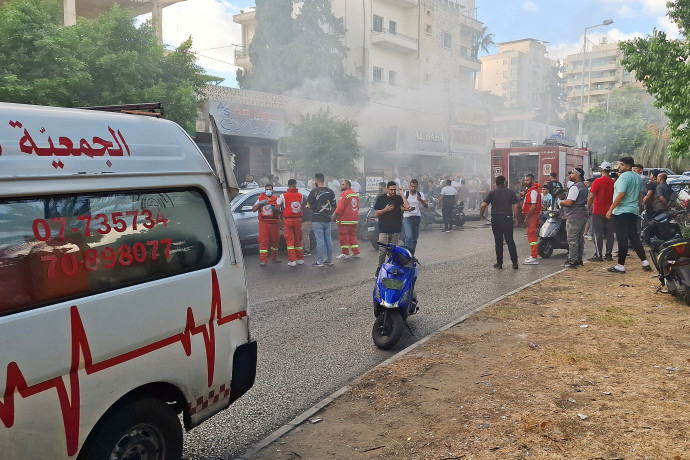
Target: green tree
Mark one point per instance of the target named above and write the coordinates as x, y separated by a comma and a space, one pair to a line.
302, 57
272, 66
323, 143
106, 61
620, 126
662, 65
482, 42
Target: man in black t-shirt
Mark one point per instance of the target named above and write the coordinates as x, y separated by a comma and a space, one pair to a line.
321, 201
389, 208
504, 208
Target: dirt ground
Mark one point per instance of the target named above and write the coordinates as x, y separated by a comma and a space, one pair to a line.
585, 365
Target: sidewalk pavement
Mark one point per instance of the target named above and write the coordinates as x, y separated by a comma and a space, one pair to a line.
584, 364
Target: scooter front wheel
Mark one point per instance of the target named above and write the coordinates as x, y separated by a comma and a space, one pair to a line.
545, 248
388, 328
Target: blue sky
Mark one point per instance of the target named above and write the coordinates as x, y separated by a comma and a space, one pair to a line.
560, 23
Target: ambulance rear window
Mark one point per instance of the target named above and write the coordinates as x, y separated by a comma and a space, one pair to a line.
58, 248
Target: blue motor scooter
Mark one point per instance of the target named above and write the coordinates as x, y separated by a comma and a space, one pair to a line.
394, 298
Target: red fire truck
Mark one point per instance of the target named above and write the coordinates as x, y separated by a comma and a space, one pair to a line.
554, 156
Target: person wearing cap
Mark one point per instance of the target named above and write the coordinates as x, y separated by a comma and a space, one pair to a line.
599, 201
575, 214
625, 211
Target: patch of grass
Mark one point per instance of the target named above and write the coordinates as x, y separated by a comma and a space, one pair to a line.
616, 317
505, 312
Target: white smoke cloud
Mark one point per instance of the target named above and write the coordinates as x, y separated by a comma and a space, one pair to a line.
530, 6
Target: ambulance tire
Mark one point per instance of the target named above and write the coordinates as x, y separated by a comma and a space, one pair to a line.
144, 426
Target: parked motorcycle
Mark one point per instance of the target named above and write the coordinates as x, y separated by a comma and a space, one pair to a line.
394, 298
459, 217
670, 252
552, 234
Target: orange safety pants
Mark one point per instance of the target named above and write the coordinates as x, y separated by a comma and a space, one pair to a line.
347, 233
532, 238
269, 234
292, 228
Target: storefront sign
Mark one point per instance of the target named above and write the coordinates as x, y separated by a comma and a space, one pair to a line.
248, 120
372, 183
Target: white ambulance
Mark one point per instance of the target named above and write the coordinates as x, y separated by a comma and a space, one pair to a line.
122, 293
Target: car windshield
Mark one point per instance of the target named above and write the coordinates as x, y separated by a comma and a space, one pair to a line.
239, 197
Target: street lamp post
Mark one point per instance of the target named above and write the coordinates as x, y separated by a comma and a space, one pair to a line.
581, 114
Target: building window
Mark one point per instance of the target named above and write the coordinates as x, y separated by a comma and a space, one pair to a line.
447, 40
392, 77
377, 25
378, 75
464, 52
428, 29
393, 27
427, 78
505, 74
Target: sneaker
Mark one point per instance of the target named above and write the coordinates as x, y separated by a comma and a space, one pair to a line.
307, 253
262, 264
608, 257
570, 264
647, 268
300, 262
579, 262
318, 265
588, 238
343, 256
329, 263
355, 256
292, 264
595, 259
531, 261
616, 269
499, 266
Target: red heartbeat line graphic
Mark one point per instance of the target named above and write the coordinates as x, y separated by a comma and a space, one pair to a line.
70, 398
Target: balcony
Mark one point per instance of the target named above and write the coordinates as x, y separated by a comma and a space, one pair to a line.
242, 57
404, 3
394, 41
246, 17
385, 90
470, 64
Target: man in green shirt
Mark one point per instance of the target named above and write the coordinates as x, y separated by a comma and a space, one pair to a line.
625, 210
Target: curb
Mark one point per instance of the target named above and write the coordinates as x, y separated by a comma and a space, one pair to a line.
301, 418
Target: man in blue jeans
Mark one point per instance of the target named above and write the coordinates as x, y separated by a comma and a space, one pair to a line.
412, 219
321, 201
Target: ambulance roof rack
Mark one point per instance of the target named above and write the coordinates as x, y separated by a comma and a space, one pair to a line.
150, 109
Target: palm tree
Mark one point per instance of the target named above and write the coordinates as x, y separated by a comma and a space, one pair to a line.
482, 42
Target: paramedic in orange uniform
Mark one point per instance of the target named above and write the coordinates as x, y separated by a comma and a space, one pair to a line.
347, 217
531, 208
291, 204
269, 225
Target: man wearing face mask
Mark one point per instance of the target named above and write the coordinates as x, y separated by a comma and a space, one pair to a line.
269, 225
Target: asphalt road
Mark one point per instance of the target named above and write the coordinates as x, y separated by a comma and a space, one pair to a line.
313, 326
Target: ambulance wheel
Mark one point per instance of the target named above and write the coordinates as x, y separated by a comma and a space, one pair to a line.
144, 428
388, 329
545, 248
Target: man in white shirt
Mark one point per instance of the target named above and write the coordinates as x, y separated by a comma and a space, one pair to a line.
448, 198
412, 219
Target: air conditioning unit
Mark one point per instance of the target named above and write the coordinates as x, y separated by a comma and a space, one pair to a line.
282, 164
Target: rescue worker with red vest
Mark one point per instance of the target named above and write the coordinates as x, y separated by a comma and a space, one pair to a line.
531, 208
269, 225
291, 204
347, 217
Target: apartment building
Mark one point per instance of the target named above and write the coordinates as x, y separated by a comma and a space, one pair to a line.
415, 60
592, 76
519, 73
